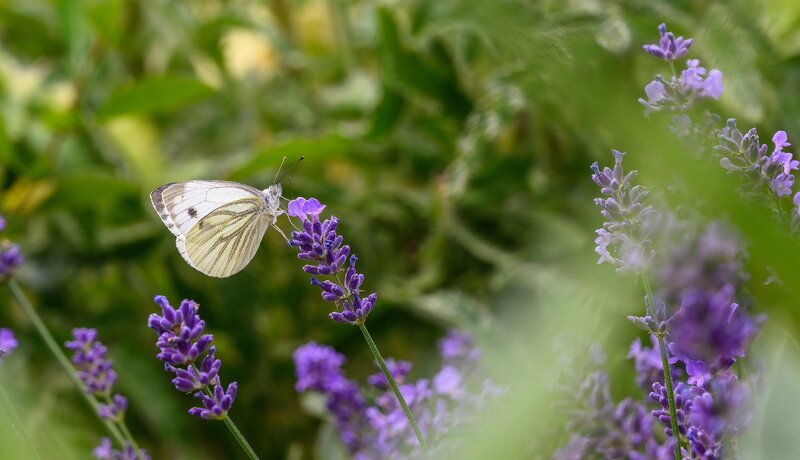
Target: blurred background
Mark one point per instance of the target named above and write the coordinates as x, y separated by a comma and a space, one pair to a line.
453, 139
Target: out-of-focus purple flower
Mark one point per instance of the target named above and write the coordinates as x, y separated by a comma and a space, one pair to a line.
8, 343
624, 239
181, 343
399, 370
93, 368
458, 349
321, 247
316, 366
669, 48
10, 255
105, 451
742, 154
115, 410
608, 430
712, 328
647, 361
377, 428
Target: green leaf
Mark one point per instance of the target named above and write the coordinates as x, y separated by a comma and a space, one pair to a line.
160, 94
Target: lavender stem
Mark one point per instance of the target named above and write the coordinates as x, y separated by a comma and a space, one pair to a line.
8, 407
393, 384
232, 427
62, 359
673, 413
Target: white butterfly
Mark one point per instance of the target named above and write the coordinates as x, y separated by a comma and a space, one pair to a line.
218, 224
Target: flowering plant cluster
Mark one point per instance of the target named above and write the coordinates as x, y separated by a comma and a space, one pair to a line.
697, 316
370, 421
181, 343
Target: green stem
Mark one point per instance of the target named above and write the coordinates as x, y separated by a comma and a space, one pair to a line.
393, 384
62, 359
8, 407
673, 413
232, 426
125, 432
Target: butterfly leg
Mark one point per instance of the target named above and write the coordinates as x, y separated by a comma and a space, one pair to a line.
281, 232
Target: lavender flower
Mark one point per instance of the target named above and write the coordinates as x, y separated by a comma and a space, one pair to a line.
11, 257
105, 451
181, 344
624, 239
94, 369
318, 368
742, 154
669, 48
115, 410
679, 93
321, 247
378, 428
8, 343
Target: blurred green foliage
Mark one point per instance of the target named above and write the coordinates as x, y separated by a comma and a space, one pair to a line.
451, 138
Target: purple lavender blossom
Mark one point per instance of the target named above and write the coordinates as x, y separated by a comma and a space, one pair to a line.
399, 370
8, 343
322, 248
742, 154
624, 239
377, 428
680, 92
105, 451
669, 48
601, 429
11, 257
318, 368
115, 410
93, 368
181, 343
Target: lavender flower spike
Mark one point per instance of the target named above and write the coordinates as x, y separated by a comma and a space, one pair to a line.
322, 248
669, 48
93, 368
182, 343
8, 343
623, 241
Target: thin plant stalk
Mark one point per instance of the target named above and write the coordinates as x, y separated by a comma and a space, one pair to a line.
232, 427
58, 353
673, 413
120, 423
393, 384
8, 407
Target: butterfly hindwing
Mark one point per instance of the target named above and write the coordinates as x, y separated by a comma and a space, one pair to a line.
181, 205
226, 239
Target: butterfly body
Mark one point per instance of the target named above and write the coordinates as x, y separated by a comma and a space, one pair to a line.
218, 225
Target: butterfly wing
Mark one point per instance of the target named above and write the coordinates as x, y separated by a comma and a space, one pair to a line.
226, 239
181, 205
218, 224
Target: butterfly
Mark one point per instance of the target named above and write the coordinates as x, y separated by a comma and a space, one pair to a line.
218, 224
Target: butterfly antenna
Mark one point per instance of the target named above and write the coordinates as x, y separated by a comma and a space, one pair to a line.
275, 180
291, 168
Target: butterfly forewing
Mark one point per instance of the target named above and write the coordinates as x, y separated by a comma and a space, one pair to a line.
224, 241
182, 205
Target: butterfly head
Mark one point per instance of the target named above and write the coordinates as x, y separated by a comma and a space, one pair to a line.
272, 195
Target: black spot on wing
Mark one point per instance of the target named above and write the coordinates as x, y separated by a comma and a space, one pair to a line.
192, 212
